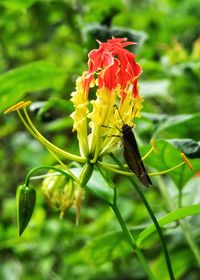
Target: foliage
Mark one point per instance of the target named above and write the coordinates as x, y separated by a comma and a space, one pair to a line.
43, 48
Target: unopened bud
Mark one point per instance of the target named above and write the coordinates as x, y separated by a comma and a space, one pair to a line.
26, 197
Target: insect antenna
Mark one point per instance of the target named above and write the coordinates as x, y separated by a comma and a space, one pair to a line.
115, 105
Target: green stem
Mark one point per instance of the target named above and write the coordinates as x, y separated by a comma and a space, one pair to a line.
180, 187
131, 241
153, 217
179, 198
137, 185
39, 137
35, 169
182, 223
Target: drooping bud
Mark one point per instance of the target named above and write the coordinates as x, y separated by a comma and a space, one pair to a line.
26, 198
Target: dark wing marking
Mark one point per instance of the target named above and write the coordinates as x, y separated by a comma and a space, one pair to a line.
133, 159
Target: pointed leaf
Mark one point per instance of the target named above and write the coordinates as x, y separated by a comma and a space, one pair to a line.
113, 245
169, 218
35, 76
180, 126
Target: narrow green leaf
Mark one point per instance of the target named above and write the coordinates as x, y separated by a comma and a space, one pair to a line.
113, 245
35, 76
26, 198
175, 215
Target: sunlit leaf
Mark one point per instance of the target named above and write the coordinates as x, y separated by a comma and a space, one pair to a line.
169, 218
169, 156
189, 147
20, 5
179, 126
16, 83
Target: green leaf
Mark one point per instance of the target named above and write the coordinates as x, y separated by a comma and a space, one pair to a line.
59, 124
20, 5
52, 103
179, 126
105, 247
175, 215
97, 186
181, 262
167, 157
114, 244
16, 83
189, 147
26, 198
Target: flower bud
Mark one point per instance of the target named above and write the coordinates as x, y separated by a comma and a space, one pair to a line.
26, 197
60, 192
86, 173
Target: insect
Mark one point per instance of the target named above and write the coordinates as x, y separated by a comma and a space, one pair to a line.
132, 155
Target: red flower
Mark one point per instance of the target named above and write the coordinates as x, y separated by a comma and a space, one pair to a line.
114, 66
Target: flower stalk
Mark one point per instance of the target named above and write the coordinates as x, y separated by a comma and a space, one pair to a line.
132, 242
153, 217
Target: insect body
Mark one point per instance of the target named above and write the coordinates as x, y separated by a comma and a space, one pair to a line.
132, 155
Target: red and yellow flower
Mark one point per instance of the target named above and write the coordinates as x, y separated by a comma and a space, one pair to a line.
113, 74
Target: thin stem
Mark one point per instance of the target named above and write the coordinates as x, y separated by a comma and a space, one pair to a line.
33, 178
112, 168
64, 166
136, 184
33, 170
148, 153
32, 129
180, 187
179, 198
132, 242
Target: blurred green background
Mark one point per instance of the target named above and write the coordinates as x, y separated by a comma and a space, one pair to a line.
43, 49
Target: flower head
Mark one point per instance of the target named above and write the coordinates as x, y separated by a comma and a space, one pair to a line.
113, 75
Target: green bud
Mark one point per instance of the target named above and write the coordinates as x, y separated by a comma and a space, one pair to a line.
86, 173
60, 192
26, 197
